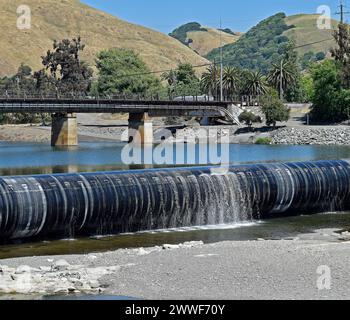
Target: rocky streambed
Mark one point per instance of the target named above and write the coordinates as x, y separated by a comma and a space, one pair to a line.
312, 136
84, 275
59, 278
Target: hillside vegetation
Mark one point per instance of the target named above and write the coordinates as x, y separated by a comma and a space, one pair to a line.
204, 39
260, 46
264, 44
58, 19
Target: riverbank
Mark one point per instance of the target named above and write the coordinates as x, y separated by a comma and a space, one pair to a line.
299, 135
312, 136
277, 269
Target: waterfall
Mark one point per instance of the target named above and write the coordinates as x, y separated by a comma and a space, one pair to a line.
64, 205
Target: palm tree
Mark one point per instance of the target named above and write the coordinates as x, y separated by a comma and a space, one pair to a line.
282, 76
210, 81
255, 84
231, 78
170, 77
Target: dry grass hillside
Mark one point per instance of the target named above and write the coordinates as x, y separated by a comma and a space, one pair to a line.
306, 31
58, 19
206, 41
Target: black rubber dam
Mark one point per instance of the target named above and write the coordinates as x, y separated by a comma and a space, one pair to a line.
67, 205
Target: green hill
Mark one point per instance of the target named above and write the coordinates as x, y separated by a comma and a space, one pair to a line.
58, 19
204, 39
264, 43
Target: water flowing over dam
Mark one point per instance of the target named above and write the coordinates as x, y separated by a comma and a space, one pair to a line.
67, 205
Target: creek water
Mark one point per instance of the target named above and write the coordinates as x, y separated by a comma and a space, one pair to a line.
30, 158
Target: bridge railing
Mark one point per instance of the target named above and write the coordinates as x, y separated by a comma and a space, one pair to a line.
242, 100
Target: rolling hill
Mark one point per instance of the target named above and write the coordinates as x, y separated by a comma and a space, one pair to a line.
263, 44
204, 39
305, 31
58, 19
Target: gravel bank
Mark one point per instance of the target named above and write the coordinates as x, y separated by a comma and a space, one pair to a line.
312, 136
281, 269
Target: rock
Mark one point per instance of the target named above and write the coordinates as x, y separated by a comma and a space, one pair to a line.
94, 284
60, 265
23, 269
45, 269
312, 136
71, 289
54, 280
141, 252
170, 246
78, 284
61, 291
192, 244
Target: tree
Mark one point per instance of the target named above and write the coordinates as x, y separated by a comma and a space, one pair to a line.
182, 81
282, 76
121, 71
68, 73
326, 104
44, 84
343, 103
274, 110
170, 77
231, 80
20, 84
186, 74
255, 84
257, 48
249, 118
307, 88
210, 81
342, 52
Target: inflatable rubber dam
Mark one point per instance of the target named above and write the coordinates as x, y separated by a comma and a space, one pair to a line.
67, 205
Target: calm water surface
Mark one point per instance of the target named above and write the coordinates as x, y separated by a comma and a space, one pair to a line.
31, 158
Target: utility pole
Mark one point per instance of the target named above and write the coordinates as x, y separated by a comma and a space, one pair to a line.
342, 11
221, 65
215, 82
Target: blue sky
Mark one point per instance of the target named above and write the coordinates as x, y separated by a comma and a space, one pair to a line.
239, 15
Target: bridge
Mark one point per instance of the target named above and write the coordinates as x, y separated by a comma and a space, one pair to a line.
64, 110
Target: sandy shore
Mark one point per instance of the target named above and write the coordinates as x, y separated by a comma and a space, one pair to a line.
281, 269
41, 134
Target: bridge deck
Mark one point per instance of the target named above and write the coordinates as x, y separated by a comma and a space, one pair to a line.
153, 107
34, 105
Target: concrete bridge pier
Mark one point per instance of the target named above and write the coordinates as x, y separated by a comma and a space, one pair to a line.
140, 128
64, 130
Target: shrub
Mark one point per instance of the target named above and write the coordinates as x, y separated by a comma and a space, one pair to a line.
263, 141
249, 118
274, 110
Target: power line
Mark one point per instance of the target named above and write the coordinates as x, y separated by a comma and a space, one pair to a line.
311, 43
213, 63
342, 13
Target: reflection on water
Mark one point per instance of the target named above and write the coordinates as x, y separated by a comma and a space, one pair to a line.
273, 229
37, 158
